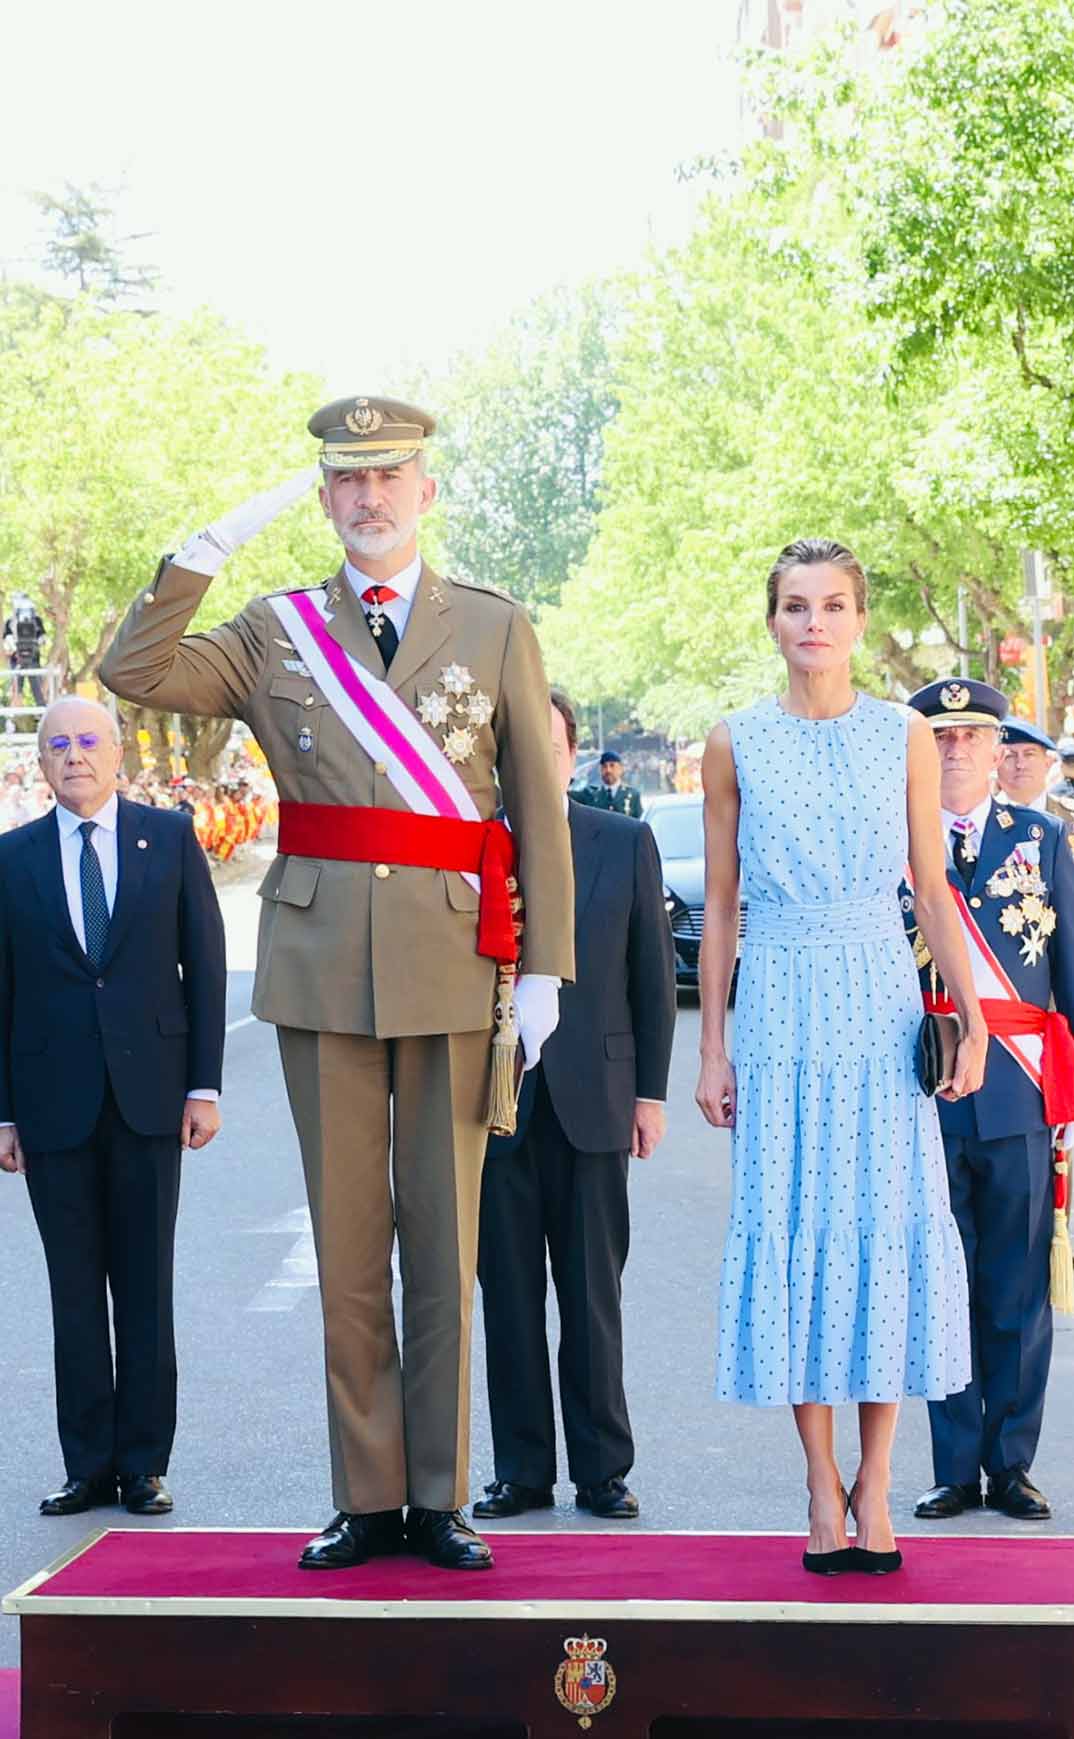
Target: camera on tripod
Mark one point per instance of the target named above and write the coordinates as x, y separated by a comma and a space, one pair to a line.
26, 628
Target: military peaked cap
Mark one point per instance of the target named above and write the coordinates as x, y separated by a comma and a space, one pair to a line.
360, 434
960, 701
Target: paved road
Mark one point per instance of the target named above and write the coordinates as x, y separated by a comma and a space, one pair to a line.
251, 1444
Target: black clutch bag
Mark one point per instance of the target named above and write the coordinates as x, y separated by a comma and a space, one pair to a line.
934, 1052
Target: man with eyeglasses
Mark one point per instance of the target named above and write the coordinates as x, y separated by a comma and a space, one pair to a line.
112, 992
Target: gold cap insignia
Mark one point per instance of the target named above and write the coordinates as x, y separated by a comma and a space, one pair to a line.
365, 419
954, 696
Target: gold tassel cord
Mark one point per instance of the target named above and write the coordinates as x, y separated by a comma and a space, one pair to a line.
502, 1114
1061, 1259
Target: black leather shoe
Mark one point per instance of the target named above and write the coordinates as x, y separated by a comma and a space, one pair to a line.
505, 1498
1014, 1493
612, 1499
351, 1539
941, 1502
446, 1538
76, 1495
145, 1494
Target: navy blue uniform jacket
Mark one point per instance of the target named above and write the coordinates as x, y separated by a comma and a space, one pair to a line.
1008, 1102
149, 1018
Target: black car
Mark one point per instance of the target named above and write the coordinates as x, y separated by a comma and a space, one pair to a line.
676, 821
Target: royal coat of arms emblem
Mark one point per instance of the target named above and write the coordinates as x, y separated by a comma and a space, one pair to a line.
585, 1681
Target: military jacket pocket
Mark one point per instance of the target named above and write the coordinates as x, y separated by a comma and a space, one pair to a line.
461, 896
295, 885
298, 711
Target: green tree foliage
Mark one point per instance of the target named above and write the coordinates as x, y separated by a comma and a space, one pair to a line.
83, 249
519, 446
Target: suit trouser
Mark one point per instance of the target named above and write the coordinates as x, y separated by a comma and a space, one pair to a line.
546, 1191
399, 1430
1001, 1197
106, 1213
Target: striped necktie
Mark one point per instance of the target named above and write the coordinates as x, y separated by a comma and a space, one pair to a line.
95, 916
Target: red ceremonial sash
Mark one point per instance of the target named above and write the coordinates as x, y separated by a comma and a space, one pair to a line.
395, 836
1008, 1020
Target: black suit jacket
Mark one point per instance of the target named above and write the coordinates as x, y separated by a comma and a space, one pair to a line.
150, 1018
617, 1020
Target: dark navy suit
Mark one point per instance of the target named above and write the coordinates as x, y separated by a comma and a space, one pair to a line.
998, 1152
95, 1066
561, 1180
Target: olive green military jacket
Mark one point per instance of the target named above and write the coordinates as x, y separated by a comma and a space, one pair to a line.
341, 949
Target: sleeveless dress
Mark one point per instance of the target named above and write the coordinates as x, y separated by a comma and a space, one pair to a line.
843, 1272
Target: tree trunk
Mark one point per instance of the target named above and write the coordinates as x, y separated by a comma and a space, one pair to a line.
205, 741
900, 663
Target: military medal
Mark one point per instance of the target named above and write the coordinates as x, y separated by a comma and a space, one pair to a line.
305, 739
460, 711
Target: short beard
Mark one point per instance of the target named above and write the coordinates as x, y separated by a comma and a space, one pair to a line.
374, 540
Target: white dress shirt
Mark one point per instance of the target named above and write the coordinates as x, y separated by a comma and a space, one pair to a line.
105, 844
405, 583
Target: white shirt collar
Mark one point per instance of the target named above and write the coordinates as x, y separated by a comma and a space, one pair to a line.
978, 816
405, 582
106, 816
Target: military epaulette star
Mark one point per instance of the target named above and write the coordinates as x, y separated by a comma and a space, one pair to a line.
479, 586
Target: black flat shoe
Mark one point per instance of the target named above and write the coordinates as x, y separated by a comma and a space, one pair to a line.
829, 1563
145, 1494
504, 1498
612, 1499
76, 1495
1014, 1493
941, 1502
874, 1563
446, 1538
351, 1539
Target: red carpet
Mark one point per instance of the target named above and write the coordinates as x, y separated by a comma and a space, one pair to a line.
210, 1565
9, 1704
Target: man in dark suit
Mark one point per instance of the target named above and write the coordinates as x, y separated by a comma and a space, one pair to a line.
1012, 879
596, 1096
112, 990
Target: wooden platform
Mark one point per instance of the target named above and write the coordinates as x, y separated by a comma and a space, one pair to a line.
204, 1634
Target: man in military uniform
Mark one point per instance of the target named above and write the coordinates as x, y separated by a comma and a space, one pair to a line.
1026, 758
387, 704
613, 792
1013, 882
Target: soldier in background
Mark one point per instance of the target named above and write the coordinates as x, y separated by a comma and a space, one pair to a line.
1027, 759
613, 792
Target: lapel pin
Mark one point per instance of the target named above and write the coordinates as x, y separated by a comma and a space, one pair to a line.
436, 596
142, 844
1004, 817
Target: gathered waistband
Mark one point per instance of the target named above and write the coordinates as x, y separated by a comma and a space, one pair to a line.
785, 924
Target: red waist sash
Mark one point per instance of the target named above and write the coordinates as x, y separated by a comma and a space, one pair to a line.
397, 836
1009, 1020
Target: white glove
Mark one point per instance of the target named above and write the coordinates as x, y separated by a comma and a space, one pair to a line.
207, 550
537, 1007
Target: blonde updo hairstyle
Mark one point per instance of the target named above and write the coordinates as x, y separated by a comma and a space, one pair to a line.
810, 552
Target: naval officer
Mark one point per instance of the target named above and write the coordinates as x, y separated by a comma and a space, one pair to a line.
388, 703
1013, 881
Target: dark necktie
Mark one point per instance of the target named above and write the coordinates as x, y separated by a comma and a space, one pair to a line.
381, 625
94, 904
964, 863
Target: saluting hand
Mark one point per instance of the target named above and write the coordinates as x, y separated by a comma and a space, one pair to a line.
201, 1121
716, 1091
12, 1157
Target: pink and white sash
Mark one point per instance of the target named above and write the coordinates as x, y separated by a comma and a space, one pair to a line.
381, 723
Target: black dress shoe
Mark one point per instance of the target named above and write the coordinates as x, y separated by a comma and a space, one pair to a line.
1013, 1492
941, 1502
351, 1539
446, 1538
505, 1498
145, 1494
612, 1499
76, 1495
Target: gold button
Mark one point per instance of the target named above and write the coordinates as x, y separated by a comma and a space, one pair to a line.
308, 700
381, 871
379, 767
976, 900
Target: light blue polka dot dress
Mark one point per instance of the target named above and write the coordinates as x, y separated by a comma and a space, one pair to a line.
843, 1274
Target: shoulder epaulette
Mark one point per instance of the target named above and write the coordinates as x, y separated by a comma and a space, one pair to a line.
477, 586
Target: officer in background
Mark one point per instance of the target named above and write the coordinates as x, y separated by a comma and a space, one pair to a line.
1027, 758
1013, 881
377, 960
613, 792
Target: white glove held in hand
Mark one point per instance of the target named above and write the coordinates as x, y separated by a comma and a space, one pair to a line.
208, 550
537, 1004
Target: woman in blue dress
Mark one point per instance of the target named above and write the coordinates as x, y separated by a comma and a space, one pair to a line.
843, 1274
